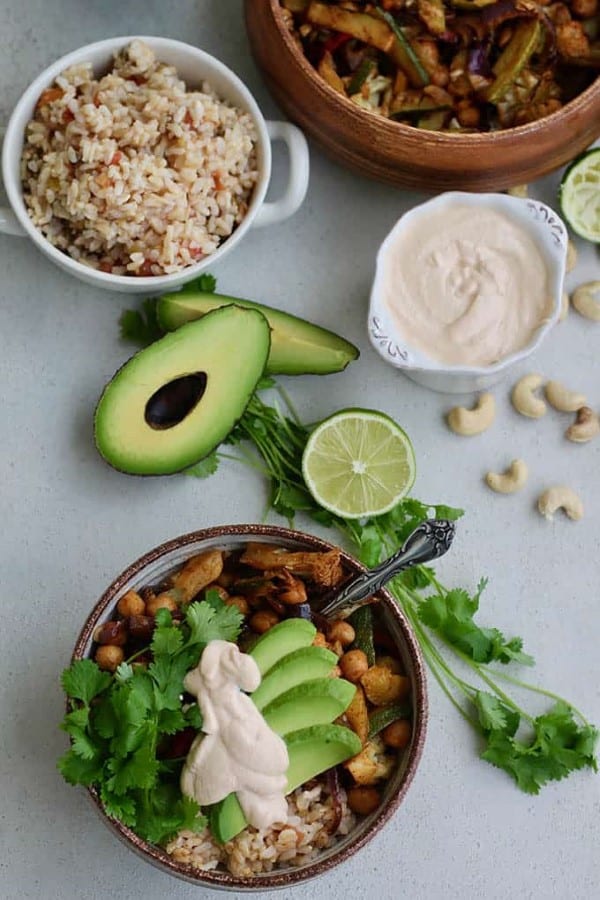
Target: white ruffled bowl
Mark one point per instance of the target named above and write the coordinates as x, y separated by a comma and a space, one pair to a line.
550, 234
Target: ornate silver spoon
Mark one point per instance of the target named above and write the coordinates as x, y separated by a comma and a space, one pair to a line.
430, 540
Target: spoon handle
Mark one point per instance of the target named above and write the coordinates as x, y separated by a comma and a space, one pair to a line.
429, 540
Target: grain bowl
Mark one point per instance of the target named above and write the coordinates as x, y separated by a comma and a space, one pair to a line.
392, 151
326, 822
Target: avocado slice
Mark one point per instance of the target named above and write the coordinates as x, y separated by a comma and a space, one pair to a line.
301, 665
311, 751
317, 748
315, 702
176, 400
297, 347
279, 641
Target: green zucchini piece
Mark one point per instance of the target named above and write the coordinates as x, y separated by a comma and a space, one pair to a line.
433, 121
362, 622
514, 58
385, 715
403, 53
360, 76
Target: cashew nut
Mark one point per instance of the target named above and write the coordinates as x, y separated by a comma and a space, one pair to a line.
564, 306
562, 399
586, 300
571, 256
473, 421
519, 190
585, 427
560, 497
524, 399
510, 481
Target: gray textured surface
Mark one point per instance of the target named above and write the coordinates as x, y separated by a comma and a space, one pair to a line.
70, 524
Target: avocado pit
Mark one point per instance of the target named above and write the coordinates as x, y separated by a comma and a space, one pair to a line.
174, 401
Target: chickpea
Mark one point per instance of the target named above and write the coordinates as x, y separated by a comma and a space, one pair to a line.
162, 601
320, 640
467, 115
398, 734
240, 602
585, 9
440, 76
113, 632
263, 620
354, 664
131, 604
109, 657
341, 631
363, 800
336, 647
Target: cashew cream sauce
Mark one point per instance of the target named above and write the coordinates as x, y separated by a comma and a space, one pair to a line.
237, 751
466, 285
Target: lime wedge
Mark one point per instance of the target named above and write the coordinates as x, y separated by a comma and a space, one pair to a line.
357, 463
580, 195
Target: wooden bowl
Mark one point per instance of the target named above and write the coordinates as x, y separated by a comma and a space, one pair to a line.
152, 568
409, 157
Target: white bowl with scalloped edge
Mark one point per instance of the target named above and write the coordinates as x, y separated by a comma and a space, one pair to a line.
550, 235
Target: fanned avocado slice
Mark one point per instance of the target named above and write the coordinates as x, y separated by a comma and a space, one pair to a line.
297, 347
301, 665
283, 638
315, 702
175, 401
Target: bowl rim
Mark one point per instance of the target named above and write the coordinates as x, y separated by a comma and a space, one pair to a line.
158, 44
288, 877
554, 250
441, 138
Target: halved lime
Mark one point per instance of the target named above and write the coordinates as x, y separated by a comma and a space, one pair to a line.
580, 195
357, 463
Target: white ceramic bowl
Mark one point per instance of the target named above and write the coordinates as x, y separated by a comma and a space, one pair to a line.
550, 234
194, 66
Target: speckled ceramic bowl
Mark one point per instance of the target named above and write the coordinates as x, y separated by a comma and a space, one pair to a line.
152, 568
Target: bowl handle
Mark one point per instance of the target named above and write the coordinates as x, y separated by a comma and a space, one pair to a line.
9, 224
294, 194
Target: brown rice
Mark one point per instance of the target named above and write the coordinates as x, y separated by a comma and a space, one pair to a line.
306, 833
133, 174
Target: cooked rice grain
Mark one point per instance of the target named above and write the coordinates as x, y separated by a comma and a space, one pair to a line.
133, 174
296, 842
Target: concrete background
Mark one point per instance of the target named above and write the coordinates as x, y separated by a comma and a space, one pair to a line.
70, 523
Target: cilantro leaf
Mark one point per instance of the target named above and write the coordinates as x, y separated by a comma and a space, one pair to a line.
209, 624
140, 326
139, 770
167, 638
76, 719
83, 680
205, 283
495, 715
119, 806
77, 770
193, 717
205, 467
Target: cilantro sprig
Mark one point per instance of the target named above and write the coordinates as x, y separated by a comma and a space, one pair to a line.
120, 724
533, 750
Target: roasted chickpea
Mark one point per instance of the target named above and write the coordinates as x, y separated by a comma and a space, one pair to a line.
467, 115
320, 640
113, 632
131, 604
162, 601
341, 631
263, 620
109, 657
398, 734
240, 602
363, 800
354, 664
584, 8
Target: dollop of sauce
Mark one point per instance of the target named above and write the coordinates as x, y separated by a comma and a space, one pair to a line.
466, 285
237, 751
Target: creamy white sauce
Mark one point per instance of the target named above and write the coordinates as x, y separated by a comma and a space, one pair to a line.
466, 285
237, 751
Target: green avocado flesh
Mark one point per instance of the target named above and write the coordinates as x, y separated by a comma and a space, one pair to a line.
175, 401
316, 702
302, 665
279, 641
297, 347
311, 751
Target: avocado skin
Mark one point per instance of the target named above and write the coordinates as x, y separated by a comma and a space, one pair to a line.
298, 347
231, 330
311, 751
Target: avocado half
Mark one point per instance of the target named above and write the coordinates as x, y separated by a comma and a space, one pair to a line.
298, 347
175, 401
